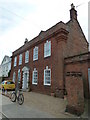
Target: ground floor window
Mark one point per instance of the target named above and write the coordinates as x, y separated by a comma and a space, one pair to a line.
35, 77
47, 76
19, 76
14, 77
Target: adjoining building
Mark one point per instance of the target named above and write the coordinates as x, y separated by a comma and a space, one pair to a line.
5, 67
38, 65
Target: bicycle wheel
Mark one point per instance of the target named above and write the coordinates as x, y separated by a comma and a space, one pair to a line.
20, 99
13, 97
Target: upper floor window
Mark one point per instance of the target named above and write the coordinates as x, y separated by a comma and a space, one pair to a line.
20, 59
26, 56
15, 61
47, 76
47, 49
35, 76
35, 53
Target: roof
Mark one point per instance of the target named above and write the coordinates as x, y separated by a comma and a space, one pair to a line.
42, 36
80, 29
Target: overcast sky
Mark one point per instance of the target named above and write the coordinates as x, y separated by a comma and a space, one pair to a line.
20, 19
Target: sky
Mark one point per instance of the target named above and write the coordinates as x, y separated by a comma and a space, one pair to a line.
20, 19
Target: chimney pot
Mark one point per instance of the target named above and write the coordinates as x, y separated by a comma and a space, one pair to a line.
73, 12
72, 6
26, 40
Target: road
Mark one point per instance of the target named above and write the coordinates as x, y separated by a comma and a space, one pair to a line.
35, 106
14, 110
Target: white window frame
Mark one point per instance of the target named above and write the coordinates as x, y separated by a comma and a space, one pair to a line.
34, 77
26, 56
19, 76
35, 53
20, 59
14, 77
15, 61
47, 49
45, 83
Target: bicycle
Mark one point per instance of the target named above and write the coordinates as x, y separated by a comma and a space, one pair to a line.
17, 95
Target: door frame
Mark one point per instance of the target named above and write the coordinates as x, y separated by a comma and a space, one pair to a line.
25, 70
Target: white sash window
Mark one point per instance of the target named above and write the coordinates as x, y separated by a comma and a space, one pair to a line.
26, 56
47, 76
47, 49
35, 77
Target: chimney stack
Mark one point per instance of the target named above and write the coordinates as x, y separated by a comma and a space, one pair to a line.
26, 40
73, 12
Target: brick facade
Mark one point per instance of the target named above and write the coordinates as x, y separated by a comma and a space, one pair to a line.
66, 39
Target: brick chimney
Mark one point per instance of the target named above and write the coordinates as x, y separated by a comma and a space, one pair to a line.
26, 40
73, 12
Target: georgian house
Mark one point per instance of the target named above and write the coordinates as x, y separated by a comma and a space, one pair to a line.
5, 66
38, 65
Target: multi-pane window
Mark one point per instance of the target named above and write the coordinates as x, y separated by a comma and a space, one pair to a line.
47, 49
14, 77
15, 61
47, 76
19, 76
35, 53
20, 59
35, 77
26, 56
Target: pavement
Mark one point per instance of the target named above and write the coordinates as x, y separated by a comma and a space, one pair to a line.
37, 106
14, 110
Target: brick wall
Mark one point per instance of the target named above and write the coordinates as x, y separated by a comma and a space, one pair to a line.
76, 43
75, 94
80, 63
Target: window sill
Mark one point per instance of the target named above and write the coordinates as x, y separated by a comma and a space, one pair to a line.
47, 57
14, 66
47, 84
34, 83
35, 60
20, 64
26, 62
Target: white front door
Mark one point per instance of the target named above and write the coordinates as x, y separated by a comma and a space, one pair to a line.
25, 81
25, 78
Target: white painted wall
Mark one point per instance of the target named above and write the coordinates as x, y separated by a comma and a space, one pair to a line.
5, 66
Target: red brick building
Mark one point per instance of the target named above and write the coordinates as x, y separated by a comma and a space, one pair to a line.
39, 64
